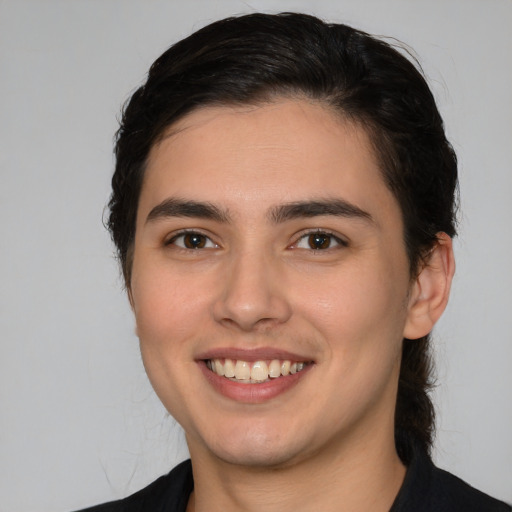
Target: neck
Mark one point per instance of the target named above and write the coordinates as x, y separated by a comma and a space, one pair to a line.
357, 476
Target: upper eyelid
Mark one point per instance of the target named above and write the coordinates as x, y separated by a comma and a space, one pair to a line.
337, 236
296, 237
181, 232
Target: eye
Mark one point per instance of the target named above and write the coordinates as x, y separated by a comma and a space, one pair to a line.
192, 240
318, 241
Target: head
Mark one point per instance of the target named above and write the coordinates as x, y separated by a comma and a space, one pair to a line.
258, 59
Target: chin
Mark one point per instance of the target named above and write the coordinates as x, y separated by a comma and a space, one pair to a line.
267, 458
258, 449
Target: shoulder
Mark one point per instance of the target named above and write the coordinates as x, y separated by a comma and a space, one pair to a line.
168, 493
427, 488
452, 493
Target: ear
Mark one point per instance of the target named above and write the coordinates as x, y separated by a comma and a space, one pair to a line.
431, 289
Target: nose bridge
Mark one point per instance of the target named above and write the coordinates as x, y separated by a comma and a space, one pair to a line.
251, 295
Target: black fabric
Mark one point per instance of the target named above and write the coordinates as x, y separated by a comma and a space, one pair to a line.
425, 489
430, 489
169, 493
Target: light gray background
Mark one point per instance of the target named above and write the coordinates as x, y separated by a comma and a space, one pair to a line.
79, 423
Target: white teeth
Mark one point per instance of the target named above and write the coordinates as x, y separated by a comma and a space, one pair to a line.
229, 367
259, 371
274, 369
219, 369
242, 370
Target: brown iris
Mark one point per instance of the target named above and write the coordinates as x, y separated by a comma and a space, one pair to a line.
319, 241
194, 240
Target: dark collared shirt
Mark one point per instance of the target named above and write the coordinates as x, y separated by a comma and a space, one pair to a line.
425, 489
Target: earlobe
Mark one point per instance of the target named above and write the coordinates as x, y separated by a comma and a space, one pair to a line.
431, 289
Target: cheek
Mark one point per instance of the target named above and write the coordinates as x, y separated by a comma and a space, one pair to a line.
167, 308
356, 298
361, 316
167, 313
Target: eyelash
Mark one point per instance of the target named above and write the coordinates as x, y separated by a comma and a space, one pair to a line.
321, 233
184, 233
208, 241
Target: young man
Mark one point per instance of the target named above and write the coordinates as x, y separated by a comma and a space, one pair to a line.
283, 206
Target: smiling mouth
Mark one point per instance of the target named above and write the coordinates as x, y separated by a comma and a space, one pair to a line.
254, 372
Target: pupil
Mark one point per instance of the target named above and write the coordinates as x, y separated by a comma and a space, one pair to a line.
194, 241
319, 241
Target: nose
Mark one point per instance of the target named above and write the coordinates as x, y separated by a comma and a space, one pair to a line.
252, 296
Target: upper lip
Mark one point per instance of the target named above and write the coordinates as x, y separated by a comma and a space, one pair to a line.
253, 354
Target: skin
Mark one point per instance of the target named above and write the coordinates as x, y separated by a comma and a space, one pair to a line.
257, 285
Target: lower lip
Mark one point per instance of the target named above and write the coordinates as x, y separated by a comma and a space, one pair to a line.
252, 393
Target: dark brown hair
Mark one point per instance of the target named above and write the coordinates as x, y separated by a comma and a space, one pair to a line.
257, 58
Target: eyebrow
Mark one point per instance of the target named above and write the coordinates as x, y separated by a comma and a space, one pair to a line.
330, 207
174, 207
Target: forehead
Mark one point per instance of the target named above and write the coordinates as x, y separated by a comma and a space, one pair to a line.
291, 150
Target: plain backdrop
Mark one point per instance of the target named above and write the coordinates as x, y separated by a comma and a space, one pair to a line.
79, 423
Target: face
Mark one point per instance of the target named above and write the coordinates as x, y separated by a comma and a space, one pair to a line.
270, 283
